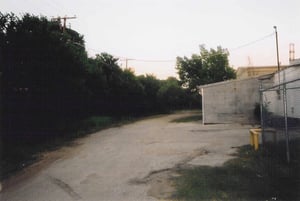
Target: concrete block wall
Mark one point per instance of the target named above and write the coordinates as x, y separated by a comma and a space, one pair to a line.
230, 101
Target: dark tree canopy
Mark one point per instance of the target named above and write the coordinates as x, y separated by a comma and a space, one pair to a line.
41, 60
208, 67
48, 79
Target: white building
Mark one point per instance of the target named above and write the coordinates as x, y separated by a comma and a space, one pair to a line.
274, 100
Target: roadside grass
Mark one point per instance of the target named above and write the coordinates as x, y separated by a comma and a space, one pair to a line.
19, 152
262, 175
197, 117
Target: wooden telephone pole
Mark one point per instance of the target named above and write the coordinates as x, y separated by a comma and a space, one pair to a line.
65, 20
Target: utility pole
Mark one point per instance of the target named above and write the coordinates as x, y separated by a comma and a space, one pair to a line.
65, 20
278, 64
126, 62
276, 35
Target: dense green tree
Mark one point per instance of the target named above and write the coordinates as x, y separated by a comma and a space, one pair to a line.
171, 95
47, 78
130, 94
42, 71
113, 90
151, 85
109, 67
208, 67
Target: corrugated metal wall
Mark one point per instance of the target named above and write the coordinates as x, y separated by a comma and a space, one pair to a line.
274, 101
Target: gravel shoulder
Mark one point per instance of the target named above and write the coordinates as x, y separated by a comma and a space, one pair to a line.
131, 162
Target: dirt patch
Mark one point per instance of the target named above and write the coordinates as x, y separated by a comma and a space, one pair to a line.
161, 181
162, 185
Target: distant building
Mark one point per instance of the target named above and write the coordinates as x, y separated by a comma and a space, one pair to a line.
256, 71
295, 62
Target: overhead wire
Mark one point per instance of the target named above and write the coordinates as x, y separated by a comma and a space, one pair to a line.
173, 60
135, 59
151, 60
252, 42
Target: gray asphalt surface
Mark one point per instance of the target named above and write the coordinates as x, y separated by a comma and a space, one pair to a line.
115, 164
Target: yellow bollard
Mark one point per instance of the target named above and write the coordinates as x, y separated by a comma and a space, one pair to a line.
251, 138
254, 138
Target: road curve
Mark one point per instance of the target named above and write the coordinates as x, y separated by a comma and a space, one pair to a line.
117, 163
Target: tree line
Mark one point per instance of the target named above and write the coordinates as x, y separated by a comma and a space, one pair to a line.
47, 79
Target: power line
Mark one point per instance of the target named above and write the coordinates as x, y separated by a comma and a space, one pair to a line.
122, 58
151, 60
252, 42
173, 60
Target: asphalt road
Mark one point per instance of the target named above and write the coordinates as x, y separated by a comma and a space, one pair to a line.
127, 162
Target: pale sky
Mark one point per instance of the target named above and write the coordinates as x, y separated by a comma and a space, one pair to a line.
151, 31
